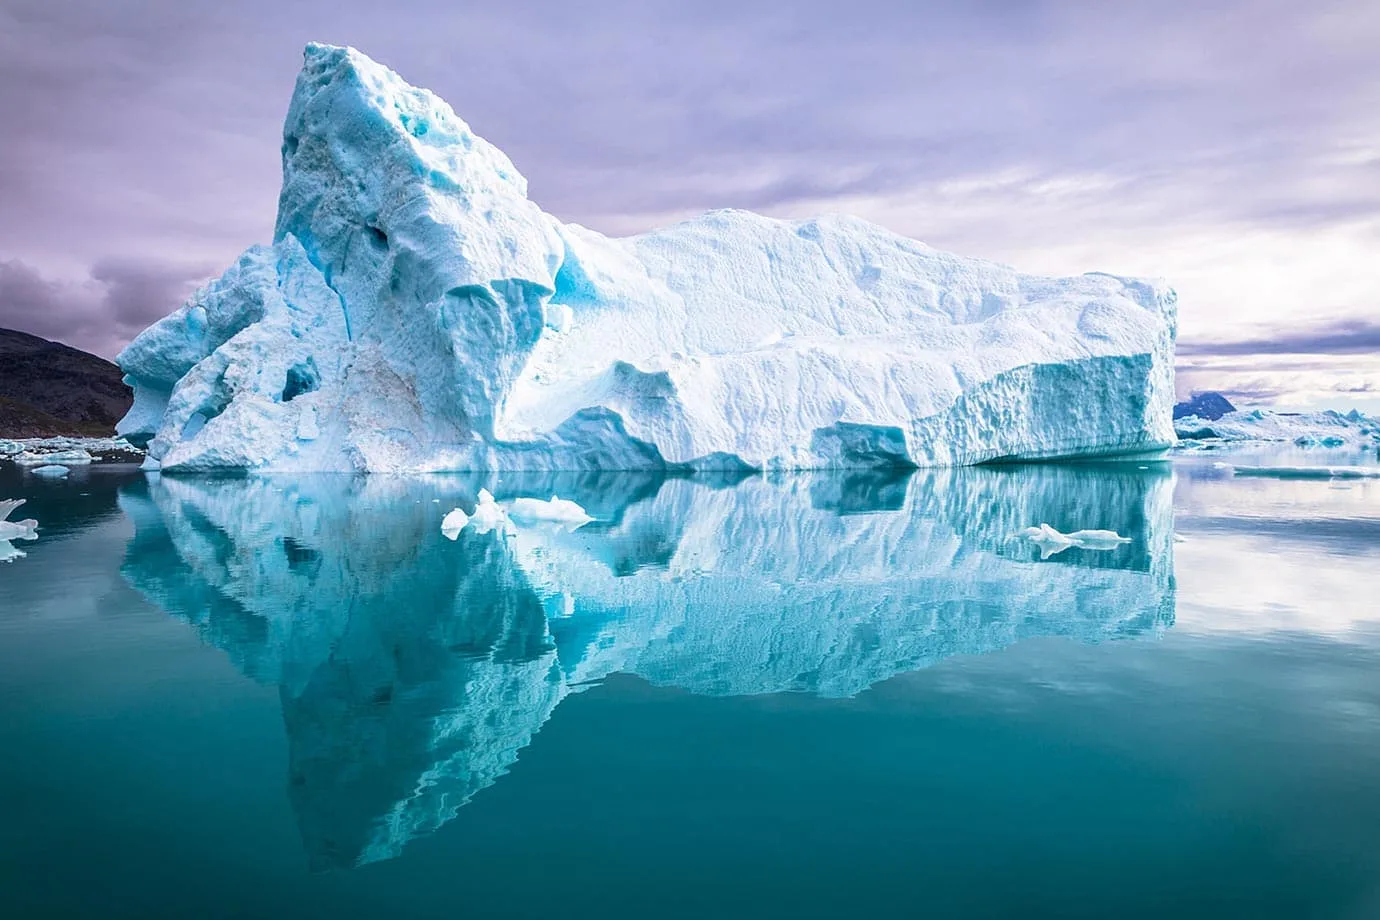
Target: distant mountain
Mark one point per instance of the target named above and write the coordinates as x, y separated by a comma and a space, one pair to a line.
49, 389
1211, 406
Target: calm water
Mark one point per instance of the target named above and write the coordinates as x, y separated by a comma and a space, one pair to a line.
767, 697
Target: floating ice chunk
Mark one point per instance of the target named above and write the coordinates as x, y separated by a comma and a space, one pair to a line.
15, 530
488, 514
52, 471
9, 448
1308, 472
1051, 542
68, 457
1098, 539
556, 511
453, 523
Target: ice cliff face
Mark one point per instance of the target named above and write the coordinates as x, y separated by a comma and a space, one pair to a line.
417, 312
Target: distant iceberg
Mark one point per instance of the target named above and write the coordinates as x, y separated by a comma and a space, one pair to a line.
1305, 472
417, 312
1328, 428
66, 457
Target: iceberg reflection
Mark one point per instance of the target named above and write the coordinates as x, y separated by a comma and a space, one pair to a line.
413, 669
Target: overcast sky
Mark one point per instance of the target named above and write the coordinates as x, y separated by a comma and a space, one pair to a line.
1230, 147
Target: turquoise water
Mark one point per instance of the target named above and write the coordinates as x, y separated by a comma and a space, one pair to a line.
828, 696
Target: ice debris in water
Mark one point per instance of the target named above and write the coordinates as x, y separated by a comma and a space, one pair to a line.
416, 311
1328, 428
1051, 542
15, 530
1305, 472
453, 523
556, 511
67, 457
52, 471
488, 514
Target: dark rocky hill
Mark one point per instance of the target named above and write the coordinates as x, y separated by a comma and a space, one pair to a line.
1211, 406
48, 389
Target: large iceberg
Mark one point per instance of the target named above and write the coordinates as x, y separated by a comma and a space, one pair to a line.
417, 312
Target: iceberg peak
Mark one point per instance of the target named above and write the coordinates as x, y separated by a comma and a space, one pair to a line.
416, 311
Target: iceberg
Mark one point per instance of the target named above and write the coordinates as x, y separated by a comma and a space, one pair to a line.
556, 511
1305, 472
453, 523
15, 530
51, 471
488, 514
417, 312
37, 458
1328, 428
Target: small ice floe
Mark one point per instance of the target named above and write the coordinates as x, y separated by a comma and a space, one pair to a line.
1051, 542
556, 511
488, 514
15, 530
1308, 472
453, 523
76, 457
52, 471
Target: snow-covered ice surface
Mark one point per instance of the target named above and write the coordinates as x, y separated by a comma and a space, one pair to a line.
340, 592
416, 311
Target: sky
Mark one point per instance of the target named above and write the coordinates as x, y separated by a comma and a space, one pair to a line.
1229, 146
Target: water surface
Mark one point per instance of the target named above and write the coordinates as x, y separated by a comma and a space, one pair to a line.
795, 696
